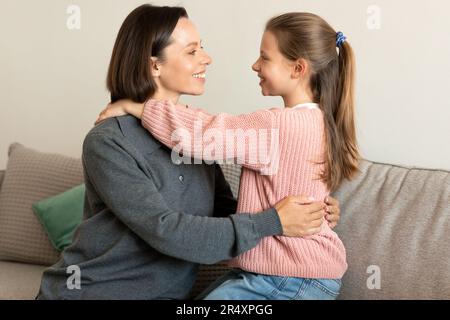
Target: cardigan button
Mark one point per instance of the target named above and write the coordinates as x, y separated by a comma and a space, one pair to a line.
181, 178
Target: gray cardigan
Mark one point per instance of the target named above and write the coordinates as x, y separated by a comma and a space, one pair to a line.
149, 222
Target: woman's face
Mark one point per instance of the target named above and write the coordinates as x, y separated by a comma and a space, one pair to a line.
274, 70
184, 67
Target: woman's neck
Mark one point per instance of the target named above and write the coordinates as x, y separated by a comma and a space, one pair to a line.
162, 96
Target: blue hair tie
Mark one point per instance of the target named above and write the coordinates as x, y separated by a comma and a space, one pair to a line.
340, 39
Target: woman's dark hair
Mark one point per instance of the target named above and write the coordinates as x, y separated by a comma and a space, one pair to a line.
145, 33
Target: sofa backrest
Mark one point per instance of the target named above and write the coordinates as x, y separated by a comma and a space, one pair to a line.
395, 225
2, 175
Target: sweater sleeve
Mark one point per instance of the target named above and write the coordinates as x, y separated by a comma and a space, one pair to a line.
252, 140
133, 197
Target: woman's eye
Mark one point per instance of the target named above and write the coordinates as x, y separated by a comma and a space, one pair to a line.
193, 52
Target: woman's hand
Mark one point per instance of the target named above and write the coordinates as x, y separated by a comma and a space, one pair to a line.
121, 108
333, 210
300, 216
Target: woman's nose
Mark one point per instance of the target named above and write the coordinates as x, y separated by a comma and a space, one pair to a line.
255, 66
206, 59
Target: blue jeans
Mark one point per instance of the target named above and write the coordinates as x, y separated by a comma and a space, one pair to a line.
241, 285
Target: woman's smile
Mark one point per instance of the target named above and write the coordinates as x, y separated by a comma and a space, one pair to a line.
201, 76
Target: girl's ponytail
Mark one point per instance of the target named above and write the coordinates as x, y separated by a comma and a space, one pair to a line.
344, 115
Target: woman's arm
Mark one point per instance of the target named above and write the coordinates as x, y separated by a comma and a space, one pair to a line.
133, 197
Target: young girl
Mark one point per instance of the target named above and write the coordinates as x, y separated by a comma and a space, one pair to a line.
311, 66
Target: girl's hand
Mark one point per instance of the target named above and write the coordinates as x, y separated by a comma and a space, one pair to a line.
121, 108
333, 210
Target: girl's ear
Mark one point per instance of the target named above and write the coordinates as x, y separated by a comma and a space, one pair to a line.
300, 68
155, 67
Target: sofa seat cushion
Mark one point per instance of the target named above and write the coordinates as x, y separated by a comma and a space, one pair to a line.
20, 280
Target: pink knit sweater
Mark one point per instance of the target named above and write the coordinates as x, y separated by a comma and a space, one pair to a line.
294, 141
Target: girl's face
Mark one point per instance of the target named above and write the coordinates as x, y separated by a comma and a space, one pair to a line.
184, 67
274, 70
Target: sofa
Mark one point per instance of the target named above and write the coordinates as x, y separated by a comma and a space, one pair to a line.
395, 225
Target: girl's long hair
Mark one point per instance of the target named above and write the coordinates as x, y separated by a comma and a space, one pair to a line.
308, 36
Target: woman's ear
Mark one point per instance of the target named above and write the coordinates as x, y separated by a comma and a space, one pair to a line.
155, 67
300, 68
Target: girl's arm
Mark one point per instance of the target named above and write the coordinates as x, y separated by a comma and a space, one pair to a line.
251, 139
123, 107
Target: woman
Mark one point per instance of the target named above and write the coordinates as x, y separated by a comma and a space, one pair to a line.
148, 221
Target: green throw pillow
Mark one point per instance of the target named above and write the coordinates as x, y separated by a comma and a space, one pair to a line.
60, 215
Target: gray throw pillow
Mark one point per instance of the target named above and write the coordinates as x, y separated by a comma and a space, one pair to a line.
30, 177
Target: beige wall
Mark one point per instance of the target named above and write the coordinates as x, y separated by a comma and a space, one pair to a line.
52, 78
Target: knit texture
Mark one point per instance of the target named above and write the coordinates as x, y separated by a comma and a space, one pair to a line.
294, 142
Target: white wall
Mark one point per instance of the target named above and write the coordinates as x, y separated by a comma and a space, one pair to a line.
52, 79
